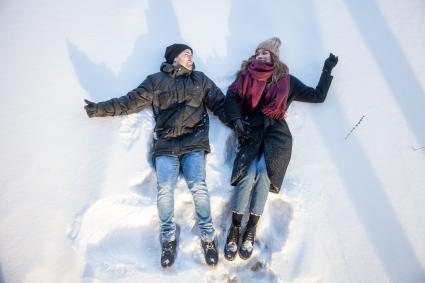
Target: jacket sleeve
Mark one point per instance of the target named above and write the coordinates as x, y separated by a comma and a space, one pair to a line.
232, 107
133, 102
214, 100
301, 92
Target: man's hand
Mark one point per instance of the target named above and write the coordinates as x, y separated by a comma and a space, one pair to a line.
91, 108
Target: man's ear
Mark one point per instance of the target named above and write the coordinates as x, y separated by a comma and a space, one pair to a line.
175, 62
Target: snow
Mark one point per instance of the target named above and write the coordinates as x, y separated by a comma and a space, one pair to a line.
78, 196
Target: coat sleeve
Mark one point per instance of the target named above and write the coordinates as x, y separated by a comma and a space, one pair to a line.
133, 102
232, 107
214, 99
301, 92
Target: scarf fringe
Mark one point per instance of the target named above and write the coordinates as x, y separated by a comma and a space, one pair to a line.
273, 114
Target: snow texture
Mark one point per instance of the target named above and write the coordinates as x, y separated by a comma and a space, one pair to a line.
78, 195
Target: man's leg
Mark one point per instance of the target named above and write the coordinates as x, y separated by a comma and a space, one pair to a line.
193, 168
167, 172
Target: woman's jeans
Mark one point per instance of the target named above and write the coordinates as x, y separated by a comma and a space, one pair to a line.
252, 190
192, 166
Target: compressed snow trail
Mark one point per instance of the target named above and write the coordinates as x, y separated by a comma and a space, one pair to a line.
78, 195
117, 236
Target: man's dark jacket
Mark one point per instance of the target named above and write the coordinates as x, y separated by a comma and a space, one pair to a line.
179, 99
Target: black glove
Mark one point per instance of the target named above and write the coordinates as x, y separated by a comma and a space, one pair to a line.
91, 108
330, 63
242, 130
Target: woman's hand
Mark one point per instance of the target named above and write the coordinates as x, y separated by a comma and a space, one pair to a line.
242, 130
91, 108
330, 63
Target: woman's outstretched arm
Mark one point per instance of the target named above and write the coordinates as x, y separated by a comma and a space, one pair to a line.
301, 92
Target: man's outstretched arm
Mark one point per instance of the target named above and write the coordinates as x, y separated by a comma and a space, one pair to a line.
133, 102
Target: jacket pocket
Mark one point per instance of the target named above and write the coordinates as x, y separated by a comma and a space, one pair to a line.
166, 100
195, 97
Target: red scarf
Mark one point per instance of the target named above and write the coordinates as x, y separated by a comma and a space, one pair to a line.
251, 84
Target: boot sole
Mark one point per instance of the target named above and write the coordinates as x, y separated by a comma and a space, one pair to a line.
230, 258
212, 265
244, 258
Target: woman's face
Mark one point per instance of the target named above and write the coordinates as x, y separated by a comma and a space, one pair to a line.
263, 55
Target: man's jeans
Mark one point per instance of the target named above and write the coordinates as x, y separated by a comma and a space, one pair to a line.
167, 171
252, 190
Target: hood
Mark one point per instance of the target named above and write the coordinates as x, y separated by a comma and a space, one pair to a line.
174, 70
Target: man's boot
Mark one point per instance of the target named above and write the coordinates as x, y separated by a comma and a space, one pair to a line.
210, 252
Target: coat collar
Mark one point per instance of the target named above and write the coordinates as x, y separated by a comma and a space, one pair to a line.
175, 71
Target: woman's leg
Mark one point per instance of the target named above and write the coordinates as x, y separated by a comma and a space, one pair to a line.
258, 201
261, 188
244, 189
242, 198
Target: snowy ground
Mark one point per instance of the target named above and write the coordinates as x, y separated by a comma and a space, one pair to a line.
77, 198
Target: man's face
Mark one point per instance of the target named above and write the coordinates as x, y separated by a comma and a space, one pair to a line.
185, 59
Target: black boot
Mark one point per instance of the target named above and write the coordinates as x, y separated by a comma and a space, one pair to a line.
210, 252
247, 246
168, 254
232, 242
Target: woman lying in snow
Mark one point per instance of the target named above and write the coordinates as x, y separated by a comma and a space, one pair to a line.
256, 103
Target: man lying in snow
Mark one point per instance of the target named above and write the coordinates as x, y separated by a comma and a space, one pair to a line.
179, 97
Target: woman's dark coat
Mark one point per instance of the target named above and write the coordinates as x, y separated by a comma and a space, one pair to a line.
270, 136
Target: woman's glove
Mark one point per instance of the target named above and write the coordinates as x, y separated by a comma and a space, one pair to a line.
242, 130
330, 63
91, 108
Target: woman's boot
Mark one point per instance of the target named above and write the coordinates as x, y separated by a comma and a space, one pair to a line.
232, 242
247, 246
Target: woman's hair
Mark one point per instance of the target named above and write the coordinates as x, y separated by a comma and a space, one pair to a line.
280, 68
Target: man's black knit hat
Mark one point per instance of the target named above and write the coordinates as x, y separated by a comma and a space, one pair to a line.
174, 50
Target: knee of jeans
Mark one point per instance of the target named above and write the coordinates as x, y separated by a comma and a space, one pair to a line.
165, 189
197, 185
248, 178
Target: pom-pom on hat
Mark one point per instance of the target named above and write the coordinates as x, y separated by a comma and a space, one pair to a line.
271, 45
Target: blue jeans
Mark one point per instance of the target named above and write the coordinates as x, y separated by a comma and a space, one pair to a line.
192, 166
252, 190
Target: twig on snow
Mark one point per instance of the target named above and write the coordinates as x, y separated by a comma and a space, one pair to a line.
355, 126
